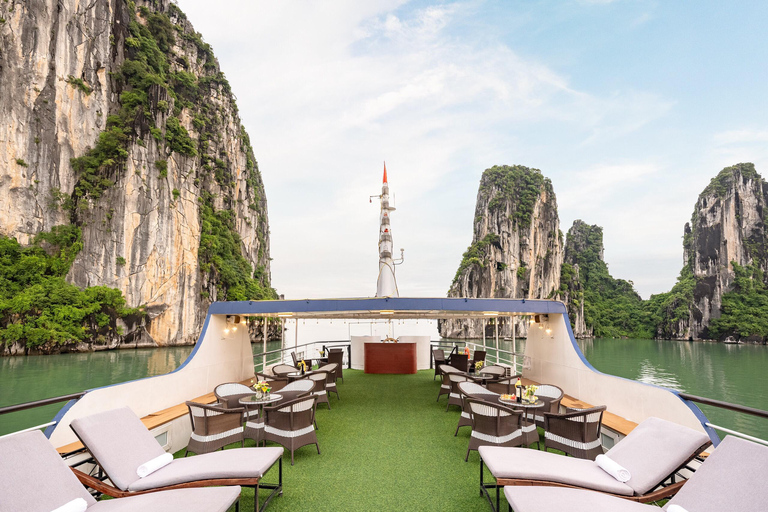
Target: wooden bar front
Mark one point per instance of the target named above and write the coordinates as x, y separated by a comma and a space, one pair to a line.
390, 358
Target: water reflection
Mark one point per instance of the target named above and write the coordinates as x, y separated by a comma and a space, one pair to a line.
732, 373
27, 378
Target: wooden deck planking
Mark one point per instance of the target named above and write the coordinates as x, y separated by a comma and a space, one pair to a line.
158, 418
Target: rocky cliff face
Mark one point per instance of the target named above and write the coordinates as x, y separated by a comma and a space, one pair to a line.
728, 225
516, 249
579, 241
116, 118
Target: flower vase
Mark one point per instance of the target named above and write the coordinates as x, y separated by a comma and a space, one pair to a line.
259, 395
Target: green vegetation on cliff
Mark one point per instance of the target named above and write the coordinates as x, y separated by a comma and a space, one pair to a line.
39, 308
612, 308
744, 307
220, 255
516, 185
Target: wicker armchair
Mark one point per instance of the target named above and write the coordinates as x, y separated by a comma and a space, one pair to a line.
459, 361
494, 425
438, 355
213, 427
497, 371
551, 396
479, 355
336, 355
229, 395
292, 424
281, 370
320, 378
576, 432
471, 390
330, 383
504, 386
454, 398
445, 387
275, 382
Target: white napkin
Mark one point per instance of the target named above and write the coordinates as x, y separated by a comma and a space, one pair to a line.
153, 465
76, 505
612, 468
676, 508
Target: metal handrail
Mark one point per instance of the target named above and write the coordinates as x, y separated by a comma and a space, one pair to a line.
39, 403
725, 405
294, 347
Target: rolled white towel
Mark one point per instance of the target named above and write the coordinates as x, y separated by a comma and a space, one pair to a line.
153, 465
613, 468
76, 505
675, 508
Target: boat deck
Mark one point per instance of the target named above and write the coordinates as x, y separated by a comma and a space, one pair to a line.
387, 444
159, 418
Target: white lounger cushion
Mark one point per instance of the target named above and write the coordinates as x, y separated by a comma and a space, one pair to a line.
235, 463
732, 478
209, 499
560, 499
76, 505
530, 464
653, 450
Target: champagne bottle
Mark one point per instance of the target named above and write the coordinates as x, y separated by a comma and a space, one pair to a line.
519, 390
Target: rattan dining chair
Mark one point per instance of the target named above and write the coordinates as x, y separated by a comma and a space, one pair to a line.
330, 383
438, 355
320, 378
292, 424
479, 355
281, 370
495, 370
469, 390
275, 382
454, 398
576, 432
445, 386
229, 395
213, 427
336, 355
551, 396
493, 425
504, 386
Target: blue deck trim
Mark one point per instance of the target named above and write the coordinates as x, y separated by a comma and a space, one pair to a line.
49, 430
386, 303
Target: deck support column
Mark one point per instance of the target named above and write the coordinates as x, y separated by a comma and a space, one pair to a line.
264, 352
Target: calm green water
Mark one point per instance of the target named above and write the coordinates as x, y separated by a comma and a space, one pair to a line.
733, 373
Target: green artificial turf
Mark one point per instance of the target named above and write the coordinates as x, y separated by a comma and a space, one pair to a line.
386, 445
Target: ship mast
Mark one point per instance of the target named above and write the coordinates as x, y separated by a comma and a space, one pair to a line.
386, 286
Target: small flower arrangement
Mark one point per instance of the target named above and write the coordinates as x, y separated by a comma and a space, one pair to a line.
530, 393
479, 365
263, 386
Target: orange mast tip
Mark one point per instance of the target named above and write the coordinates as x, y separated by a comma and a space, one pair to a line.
385, 172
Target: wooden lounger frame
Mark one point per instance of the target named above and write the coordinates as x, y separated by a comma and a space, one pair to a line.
110, 490
660, 492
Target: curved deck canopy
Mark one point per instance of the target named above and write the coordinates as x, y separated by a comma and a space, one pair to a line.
388, 307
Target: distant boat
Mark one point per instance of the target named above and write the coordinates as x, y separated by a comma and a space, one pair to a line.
731, 341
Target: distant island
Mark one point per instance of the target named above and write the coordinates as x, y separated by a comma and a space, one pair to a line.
518, 251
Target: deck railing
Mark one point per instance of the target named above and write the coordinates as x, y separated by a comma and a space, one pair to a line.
743, 409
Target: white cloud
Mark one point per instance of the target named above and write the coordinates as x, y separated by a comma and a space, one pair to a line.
329, 90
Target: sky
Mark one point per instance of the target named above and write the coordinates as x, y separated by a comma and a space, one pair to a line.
630, 107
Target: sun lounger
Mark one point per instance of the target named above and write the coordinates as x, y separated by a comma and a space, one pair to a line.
732, 478
120, 443
34, 478
654, 451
